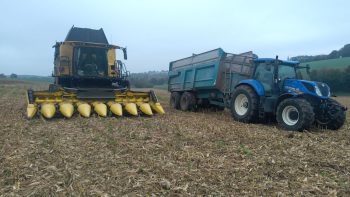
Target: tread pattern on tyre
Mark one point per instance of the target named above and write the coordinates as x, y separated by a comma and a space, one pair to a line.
175, 100
253, 110
338, 120
306, 117
190, 103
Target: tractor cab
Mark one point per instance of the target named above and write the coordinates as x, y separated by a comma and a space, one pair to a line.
280, 77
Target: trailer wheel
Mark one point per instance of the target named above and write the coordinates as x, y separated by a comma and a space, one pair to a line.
175, 100
244, 104
295, 114
334, 119
187, 101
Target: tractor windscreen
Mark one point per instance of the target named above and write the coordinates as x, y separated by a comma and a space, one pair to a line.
303, 73
286, 72
90, 62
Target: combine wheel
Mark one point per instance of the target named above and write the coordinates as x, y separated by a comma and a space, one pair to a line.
295, 114
187, 101
244, 104
175, 100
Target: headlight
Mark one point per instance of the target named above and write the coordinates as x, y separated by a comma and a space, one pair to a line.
318, 91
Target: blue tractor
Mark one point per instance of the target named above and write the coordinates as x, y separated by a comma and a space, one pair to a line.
253, 89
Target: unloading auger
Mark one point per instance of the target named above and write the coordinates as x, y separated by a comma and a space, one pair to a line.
88, 79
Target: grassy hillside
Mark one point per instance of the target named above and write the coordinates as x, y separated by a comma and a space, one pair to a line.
340, 63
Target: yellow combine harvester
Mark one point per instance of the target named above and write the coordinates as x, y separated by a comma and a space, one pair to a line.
89, 78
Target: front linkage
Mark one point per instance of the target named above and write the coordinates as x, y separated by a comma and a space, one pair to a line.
330, 114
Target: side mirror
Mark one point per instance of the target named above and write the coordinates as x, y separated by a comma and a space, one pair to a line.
125, 54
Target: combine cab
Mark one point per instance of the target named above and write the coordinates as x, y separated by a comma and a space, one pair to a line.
89, 78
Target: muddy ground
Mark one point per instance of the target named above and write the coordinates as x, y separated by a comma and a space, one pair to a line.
177, 154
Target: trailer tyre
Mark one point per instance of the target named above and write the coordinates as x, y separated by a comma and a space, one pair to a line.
175, 100
295, 114
187, 102
244, 104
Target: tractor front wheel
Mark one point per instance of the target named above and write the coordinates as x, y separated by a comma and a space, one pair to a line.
295, 114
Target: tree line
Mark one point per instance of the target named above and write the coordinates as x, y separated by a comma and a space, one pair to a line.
337, 79
12, 76
343, 52
148, 79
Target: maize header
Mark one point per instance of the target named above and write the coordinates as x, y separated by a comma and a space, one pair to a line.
89, 78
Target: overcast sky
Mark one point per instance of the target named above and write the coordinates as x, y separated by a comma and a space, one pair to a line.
159, 31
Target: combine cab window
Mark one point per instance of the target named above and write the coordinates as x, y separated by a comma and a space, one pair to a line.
90, 62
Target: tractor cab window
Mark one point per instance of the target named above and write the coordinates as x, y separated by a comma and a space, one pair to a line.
286, 72
264, 73
91, 62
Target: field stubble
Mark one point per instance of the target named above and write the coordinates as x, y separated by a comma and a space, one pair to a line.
175, 154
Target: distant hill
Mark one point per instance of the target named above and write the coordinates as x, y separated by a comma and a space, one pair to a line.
35, 78
341, 53
339, 63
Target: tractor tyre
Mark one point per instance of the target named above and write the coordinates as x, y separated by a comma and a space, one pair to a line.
175, 100
245, 104
188, 102
337, 121
335, 118
295, 114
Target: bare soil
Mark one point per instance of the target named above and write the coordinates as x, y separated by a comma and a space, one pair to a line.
176, 154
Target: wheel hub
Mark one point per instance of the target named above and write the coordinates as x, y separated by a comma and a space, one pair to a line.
241, 104
293, 115
290, 115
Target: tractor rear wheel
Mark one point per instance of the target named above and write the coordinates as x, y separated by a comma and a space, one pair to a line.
175, 100
187, 101
295, 114
244, 104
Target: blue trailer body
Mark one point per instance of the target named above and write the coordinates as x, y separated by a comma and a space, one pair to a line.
196, 72
211, 75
